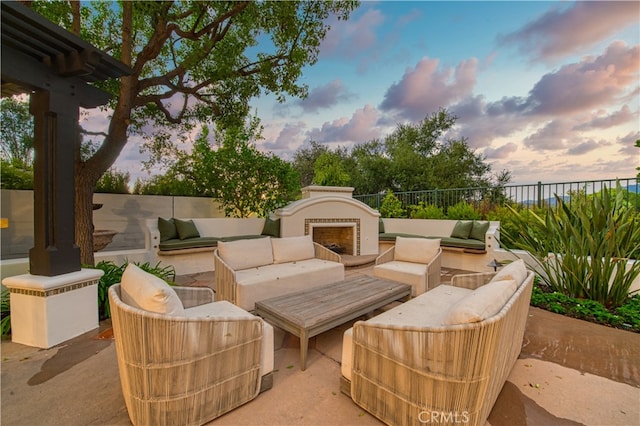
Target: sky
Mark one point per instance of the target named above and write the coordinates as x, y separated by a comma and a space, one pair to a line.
547, 90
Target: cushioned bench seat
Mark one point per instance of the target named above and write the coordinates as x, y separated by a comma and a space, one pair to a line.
464, 237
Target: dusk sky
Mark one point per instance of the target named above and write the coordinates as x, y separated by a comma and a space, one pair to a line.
547, 90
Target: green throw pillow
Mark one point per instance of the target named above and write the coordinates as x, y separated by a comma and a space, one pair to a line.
380, 226
271, 227
479, 230
462, 229
167, 228
186, 229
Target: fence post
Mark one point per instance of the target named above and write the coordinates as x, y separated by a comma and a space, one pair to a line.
539, 194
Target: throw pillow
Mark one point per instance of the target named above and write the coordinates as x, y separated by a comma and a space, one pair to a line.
380, 226
186, 229
167, 228
246, 254
479, 230
516, 271
292, 249
271, 227
143, 290
480, 304
416, 250
462, 229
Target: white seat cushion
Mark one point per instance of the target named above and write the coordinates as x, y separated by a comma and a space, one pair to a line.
143, 290
414, 274
417, 250
482, 303
225, 309
292, 249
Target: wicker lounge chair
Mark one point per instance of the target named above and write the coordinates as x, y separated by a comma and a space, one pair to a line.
406, 373
189, 369
413, 261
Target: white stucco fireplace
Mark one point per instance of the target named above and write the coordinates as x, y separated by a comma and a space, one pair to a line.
333, 218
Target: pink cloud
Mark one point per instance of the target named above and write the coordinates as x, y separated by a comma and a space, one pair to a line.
502, 152
349, 38
291, 135
593, 82
601, 121
561, 32
326, 96
426, 88
552, 136
361, 127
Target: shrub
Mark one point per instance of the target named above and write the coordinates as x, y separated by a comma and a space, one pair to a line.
5, 312
463, 210
426, 211
391, 206
583, 249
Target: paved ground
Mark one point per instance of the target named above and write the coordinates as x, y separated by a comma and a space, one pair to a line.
569, 372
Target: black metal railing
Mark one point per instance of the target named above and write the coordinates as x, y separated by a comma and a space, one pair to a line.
528, 196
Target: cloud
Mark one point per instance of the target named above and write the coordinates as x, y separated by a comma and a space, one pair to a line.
292, 134
552, 136
561, 32
326, 96
349, 38
593, 82
504, 151
584, 147
628, 146
622, 116
361, 127
426, 88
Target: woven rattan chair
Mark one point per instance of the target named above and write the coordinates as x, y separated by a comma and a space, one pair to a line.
409, 375
184, 370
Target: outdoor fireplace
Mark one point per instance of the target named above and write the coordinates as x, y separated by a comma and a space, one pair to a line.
333, 218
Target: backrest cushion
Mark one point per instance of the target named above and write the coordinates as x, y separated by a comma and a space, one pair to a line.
480, 304
167, 229
516, 271
416, 250
271, 227
479, 230
186, 229
292, 249
246, 254
462, 229
380, 226
143, 290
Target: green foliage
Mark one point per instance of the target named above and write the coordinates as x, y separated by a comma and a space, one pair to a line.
5, 312
16, 134
463, 210
113, 275
583, 249
391, 206
426, 211
113, 182
304, 160
627, 316
330, 171
15, 177
244, 180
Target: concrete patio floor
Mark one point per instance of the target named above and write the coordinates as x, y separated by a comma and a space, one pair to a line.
569, 372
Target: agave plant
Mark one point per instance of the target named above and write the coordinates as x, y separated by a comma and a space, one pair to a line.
584, 249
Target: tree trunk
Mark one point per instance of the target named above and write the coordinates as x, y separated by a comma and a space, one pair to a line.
84, 217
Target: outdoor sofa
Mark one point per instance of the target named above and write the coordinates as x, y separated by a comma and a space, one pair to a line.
442, 356
248, 271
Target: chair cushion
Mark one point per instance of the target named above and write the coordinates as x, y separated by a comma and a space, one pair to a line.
462, 229
292, 249
414, 274
271, 227
479, 230
482, 303
143, 290
167, 228
417, 250
186, 229
516, 271
246, 254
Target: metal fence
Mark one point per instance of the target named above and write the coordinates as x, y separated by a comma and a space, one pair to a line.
528, 196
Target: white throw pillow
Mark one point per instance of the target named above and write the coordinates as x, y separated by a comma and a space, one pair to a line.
292, 249
246, 254
482, 303
416, 250
143, 290
516, 271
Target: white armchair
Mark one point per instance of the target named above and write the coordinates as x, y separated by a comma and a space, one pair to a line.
183, 358
413, 261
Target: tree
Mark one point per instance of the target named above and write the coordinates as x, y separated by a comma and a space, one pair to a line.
244, 180
16, 133
193, 62
113, 182
329, 170
304, 161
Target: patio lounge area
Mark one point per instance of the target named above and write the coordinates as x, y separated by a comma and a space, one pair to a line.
569, 372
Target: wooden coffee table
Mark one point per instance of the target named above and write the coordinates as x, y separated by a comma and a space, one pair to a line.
308, 313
